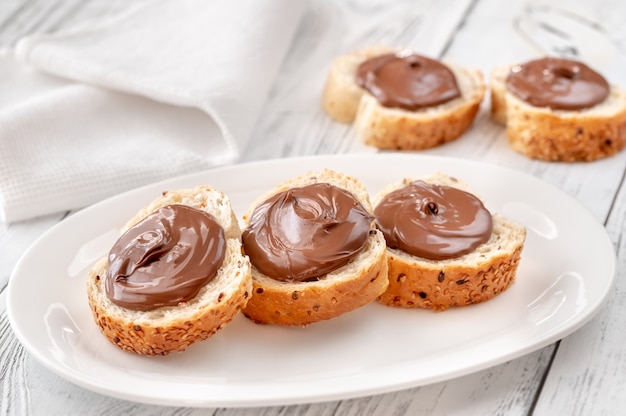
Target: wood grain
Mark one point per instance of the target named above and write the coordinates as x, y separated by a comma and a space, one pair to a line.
589, 372
583, 374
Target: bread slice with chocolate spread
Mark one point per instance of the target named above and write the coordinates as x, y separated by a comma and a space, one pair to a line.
291, 300
556, 134
174, 328
398, 128
473, 277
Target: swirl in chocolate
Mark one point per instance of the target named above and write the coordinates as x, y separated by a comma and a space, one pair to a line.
433, 221
165, 259
559, 84
304, 233
407, 80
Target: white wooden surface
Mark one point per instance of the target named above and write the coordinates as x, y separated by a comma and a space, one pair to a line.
583, 374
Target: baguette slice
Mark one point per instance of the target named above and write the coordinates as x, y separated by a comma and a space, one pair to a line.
173, 329
394, 128
416, 282
347, 288
559, 135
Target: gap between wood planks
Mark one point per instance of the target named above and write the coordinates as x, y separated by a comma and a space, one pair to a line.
459, 25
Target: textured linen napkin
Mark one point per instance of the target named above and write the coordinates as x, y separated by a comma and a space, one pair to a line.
167, 88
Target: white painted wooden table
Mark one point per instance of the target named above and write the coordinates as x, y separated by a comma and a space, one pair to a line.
583, 374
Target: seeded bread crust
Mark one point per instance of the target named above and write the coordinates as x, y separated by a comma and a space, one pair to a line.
343, 290
559, 135
393, 128
173, 329
416, 282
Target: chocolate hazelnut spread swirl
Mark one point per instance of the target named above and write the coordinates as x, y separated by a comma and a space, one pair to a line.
407, 80
433, 221
304, 233
165, 259
560, 84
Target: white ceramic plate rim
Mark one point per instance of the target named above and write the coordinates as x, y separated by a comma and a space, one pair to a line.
546, 303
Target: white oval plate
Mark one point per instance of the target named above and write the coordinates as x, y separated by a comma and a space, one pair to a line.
567, 269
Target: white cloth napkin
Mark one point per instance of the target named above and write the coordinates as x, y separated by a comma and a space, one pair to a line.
167, 88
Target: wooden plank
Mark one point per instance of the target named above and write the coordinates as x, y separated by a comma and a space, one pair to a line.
504, 389
588, 375
487, 392
588, 372
593, 184
293, 122
27, 388
16, 237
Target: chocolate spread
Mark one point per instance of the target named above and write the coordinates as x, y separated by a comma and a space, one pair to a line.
304, 233
433, 221
560, 84
165, 259
407, 80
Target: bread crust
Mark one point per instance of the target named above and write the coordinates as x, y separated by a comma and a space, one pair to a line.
559, 135
301, 304
173, 329
393, 128
343, 290
416, 282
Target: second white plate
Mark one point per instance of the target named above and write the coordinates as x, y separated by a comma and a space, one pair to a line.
567, 269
